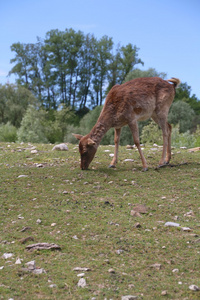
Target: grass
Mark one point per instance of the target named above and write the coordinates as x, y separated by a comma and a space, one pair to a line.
88, 214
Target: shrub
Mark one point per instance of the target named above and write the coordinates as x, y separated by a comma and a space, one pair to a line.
182, 139
32, 129
8, 133
151, 134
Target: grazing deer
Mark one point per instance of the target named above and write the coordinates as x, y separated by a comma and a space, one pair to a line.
135, 100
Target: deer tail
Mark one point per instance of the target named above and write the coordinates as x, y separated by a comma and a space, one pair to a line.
175, 81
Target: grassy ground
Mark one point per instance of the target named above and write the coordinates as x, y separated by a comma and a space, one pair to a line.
88, 214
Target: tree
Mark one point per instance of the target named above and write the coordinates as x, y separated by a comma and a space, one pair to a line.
32, 129
14, 101
144, 73
181, 113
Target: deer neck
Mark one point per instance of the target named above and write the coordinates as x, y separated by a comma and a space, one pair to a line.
99, 130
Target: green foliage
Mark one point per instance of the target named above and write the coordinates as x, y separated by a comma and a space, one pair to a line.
8, 133
14, 101
32, 129
197, 137
136, 73
151, 134
181, 113
185, 139
71, 68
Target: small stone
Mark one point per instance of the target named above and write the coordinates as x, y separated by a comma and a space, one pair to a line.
60, 147
7, 255
21, 176
137, 225
18, 261
164, 293
129, 297
175, 270
186, 229
31, 265
34, 151
75, 237
194, 288
38, 221
172, 224
1, 268
81, 269
111, 271
82, 283
39, 271
39, 165
81, 275
135, 213
129, 147
52, 286
128, 159
53, 224
156, 266
119, 251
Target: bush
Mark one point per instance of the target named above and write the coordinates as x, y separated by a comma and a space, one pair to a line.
32, 129
151, 134
182, 139
8, 133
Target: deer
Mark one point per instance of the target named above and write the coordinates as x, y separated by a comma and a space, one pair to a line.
126, 104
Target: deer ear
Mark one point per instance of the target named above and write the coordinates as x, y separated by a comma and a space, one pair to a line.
77, 136
90, 142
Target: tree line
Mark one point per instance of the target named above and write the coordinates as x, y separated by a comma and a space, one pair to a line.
72, 69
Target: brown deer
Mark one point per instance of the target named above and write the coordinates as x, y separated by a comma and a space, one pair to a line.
135, 100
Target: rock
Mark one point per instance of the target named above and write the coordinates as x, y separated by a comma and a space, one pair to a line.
156, 266
39, 271
135, 213
129, 297
128, 159
31, 265
81, 269
52, 286
137, 225
172, 224
112, 271
38, 221
175, 270
186, 229
43, 246
34, 151
119, 251
194, 288
7, 255
18, 261
82, 283
164, 293
60, 147
81, 275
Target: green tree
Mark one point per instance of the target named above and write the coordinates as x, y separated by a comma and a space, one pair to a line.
32, 128
144, 73
181, 113
14, 101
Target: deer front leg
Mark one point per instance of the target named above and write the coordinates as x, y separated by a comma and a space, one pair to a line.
116, 140
166, 154
135, 132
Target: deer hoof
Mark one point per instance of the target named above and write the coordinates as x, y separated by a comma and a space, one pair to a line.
112, 166
145, 169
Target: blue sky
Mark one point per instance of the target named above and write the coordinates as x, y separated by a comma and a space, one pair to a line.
166, 32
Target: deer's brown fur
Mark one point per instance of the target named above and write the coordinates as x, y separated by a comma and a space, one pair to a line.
126, 104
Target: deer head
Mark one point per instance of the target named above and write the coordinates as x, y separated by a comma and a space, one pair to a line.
87, 149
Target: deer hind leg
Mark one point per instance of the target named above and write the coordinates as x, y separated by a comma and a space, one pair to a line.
116, 140
135, 132
166, 129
